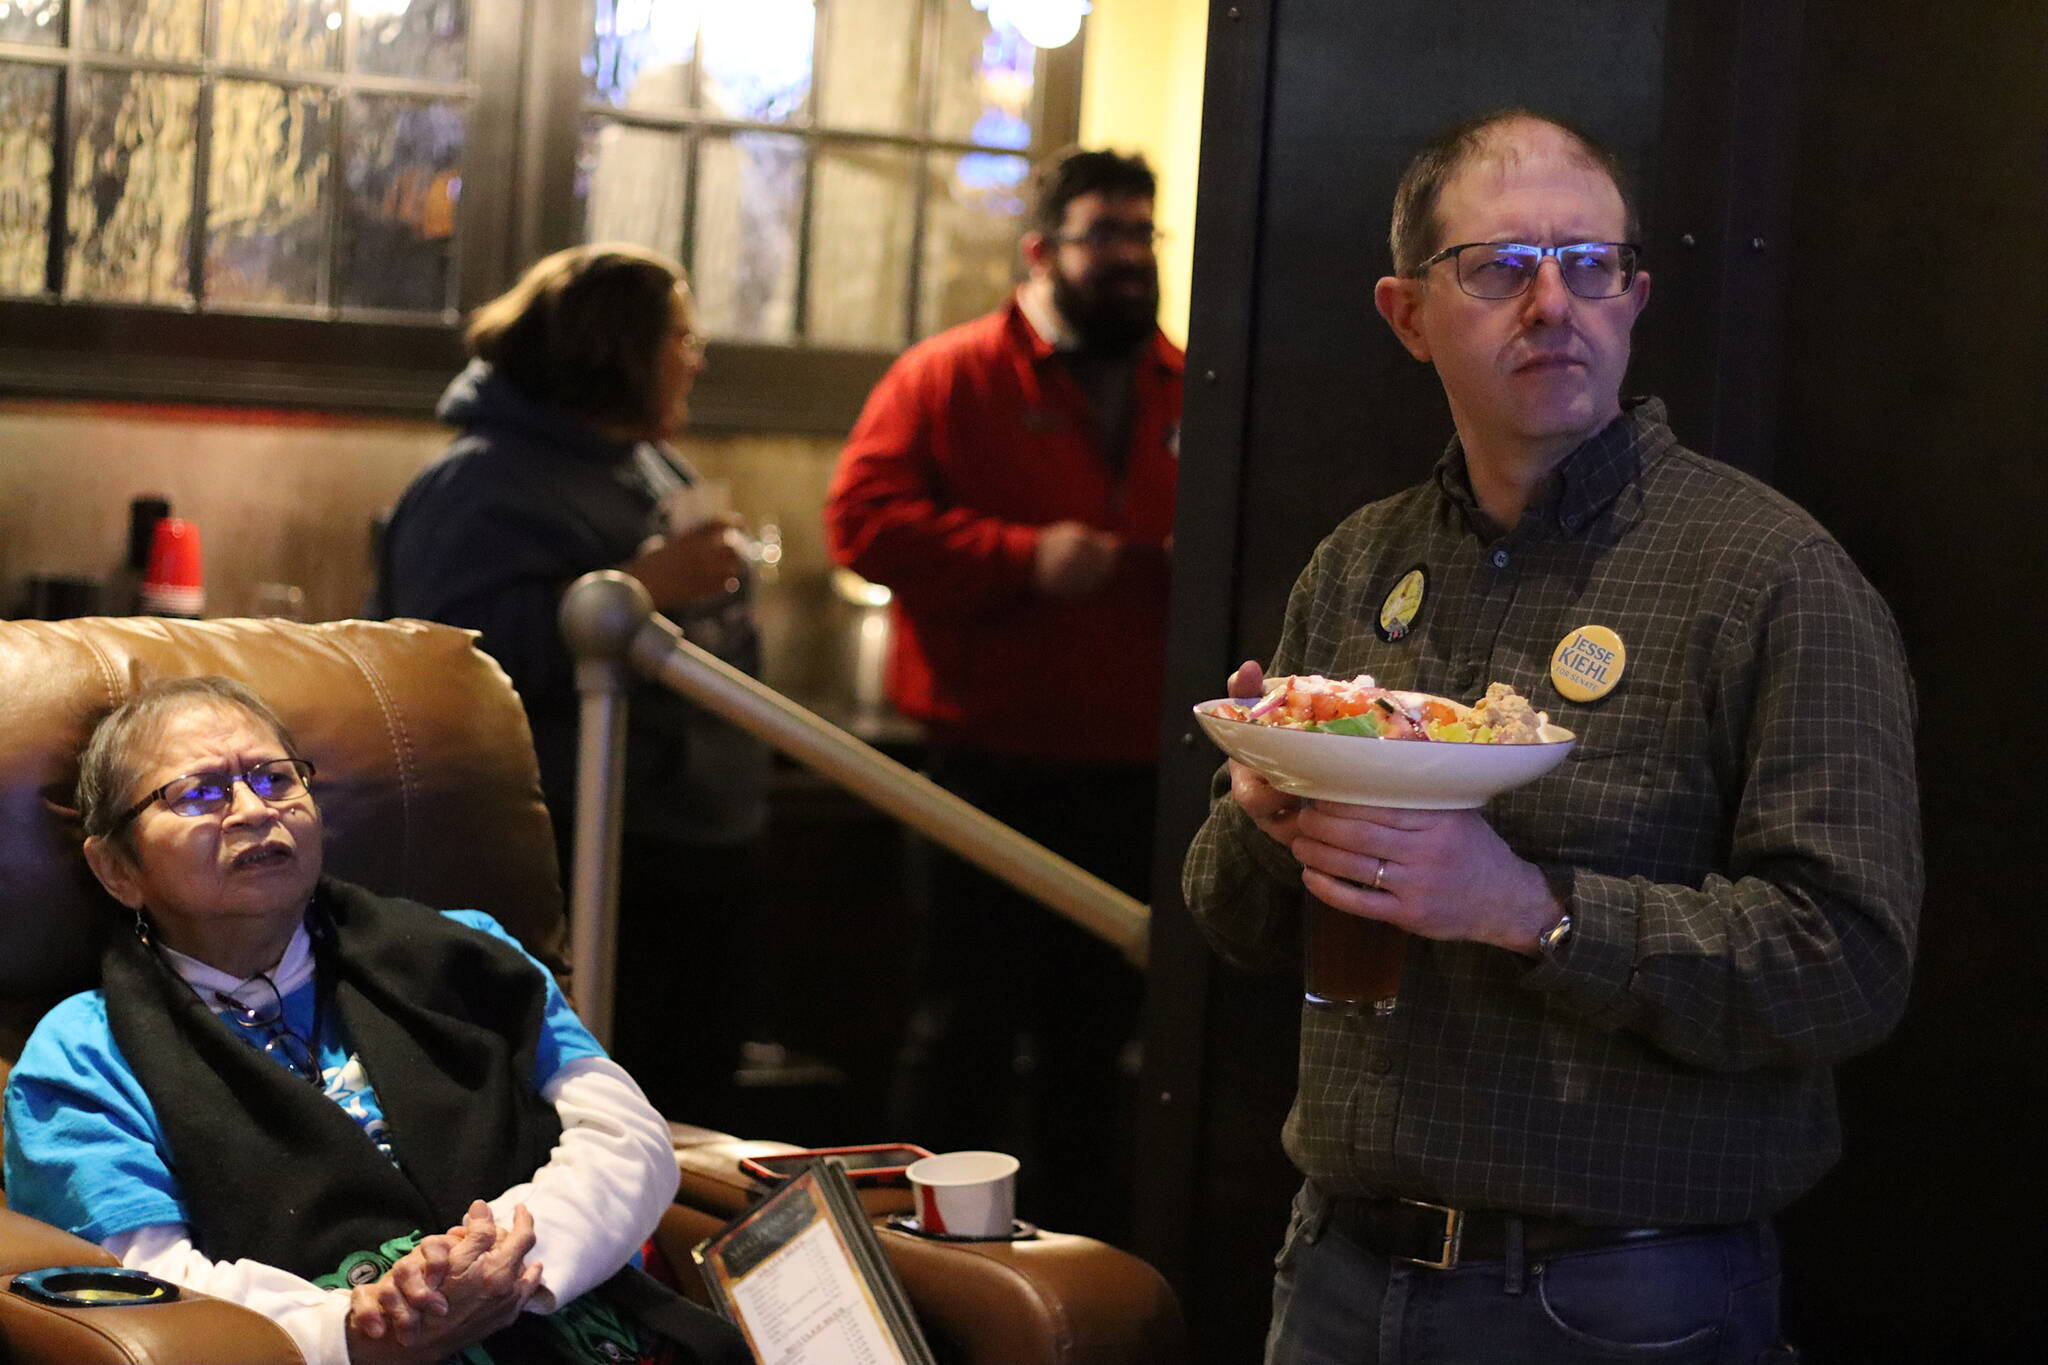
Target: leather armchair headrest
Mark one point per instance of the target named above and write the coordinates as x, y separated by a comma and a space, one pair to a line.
427, 782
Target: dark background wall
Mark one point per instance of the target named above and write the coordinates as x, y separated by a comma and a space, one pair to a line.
1914, 423
1838, 208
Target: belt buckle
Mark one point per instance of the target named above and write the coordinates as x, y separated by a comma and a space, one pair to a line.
1453, 1236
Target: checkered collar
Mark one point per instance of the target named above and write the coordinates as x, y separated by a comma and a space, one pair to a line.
1588, 479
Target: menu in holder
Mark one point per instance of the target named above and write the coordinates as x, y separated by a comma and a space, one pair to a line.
805, 1279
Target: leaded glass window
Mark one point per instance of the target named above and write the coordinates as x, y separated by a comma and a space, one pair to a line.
294, 157
839, 173
296, 201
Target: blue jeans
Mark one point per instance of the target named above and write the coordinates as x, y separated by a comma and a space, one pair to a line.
1704, 1299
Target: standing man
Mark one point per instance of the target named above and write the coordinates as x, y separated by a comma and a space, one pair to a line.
1011, 480
1629, 981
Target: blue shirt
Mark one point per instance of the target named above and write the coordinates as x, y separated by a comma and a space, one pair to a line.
85, 1151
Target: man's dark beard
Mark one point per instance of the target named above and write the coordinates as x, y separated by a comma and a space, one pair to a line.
1105, 318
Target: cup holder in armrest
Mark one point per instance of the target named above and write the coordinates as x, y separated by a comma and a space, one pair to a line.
92, 1286
1020, 1231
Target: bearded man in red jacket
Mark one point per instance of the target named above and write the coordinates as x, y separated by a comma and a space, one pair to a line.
1011, 480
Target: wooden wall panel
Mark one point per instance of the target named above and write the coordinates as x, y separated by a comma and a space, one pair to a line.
1915, 425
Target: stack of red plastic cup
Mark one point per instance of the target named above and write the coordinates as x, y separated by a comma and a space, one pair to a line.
173, 585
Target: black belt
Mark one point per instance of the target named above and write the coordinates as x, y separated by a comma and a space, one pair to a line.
1441, 1238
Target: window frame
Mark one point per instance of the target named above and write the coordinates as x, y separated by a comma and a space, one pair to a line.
518, 204
799, 388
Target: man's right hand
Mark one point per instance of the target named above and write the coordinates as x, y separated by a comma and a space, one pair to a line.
448, 1293
1073, 560
1275, 812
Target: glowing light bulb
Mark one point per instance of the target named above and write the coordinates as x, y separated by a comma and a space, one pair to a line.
1041, 23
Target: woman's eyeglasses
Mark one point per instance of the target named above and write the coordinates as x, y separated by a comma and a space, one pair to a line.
267, 1014
197, 794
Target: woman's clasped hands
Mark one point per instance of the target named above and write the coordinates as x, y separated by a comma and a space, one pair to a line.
449, 1292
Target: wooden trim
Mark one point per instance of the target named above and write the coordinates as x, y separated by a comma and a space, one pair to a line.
783, 389
394, 369
1721, 257
1215, 414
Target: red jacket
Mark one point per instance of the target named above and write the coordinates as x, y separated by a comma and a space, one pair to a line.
973, 440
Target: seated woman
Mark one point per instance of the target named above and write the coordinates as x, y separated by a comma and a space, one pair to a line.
287, 1087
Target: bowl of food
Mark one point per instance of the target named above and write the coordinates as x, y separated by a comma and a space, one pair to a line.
1350, 740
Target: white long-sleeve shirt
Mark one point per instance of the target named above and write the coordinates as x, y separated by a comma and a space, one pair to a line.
594, 1204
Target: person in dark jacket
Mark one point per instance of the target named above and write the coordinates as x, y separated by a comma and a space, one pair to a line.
581, 375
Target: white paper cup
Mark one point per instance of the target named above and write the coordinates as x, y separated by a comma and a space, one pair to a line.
966, 1194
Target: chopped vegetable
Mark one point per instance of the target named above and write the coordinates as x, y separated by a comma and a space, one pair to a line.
1363, 708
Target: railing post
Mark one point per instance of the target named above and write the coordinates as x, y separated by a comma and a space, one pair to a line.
601, 613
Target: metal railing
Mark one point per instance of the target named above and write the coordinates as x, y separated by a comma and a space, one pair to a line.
611, 626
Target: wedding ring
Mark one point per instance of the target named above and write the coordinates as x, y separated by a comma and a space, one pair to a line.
1379, 876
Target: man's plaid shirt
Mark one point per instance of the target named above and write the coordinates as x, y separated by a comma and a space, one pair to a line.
1736, 835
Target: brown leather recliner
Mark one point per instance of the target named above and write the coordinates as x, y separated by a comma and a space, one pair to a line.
429, 790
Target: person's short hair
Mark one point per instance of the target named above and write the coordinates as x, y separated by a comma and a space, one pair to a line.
1066, 176
111, 760
582, 331
1413, 238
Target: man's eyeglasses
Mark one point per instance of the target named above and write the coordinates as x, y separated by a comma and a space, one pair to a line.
268, 1014
1103, 236
1504, 270
197, 794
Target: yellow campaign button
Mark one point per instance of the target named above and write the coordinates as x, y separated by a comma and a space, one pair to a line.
1402, 605
1588, 663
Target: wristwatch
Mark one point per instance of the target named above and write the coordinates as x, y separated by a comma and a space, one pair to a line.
1551, 939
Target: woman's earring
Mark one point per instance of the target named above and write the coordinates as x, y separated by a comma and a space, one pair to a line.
141, 925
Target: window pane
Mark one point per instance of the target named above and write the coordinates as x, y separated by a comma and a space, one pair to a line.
32, 21
425, 39
28, 99
986, 77
130, 204
869, 79
145, 28
640, 52
749, 205
631, 183
757, 59
282, 35
403, 182
266, 239
972, 222
861, 221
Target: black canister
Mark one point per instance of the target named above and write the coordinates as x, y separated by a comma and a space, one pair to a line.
124, 593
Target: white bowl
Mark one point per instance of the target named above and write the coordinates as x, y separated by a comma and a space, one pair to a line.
1418, 775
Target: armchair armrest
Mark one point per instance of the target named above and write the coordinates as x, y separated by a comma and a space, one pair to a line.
29, 1244
1055, 1300
195, 1330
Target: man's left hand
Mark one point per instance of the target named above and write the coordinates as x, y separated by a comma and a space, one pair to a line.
1441, 874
